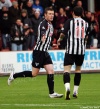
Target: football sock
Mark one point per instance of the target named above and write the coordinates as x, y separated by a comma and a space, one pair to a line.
75, 91
77, 79
66, 80
23, 74
50, 82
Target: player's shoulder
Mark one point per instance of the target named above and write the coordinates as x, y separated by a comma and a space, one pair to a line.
84, 20
68, 21
44, 23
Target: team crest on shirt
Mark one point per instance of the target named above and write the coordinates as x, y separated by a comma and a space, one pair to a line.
51, 34
43, 27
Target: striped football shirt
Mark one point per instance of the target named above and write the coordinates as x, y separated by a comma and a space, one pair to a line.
76, 29
44, 28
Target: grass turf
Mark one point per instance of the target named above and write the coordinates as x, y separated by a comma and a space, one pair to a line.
32, 93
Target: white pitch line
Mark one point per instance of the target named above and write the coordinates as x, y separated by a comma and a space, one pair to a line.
56, 105
36, 105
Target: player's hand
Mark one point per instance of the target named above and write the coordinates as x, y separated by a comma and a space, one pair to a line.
58, 42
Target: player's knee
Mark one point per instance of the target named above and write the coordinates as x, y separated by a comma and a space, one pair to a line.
77, 71
50, 71
34, 74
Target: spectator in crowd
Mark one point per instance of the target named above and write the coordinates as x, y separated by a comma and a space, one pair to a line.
29, 5
87, 18
22, 4
98, 18
79, 3
98, 39
93, 30
45, 3
37, 5
3, 10
61, 17
68, 10
14, 11
28, 31
27, 38
54, 6
75, 3
72, 4
56, 35
5, 25
99, 30
35, 22
17, 36
62, 43
6, 3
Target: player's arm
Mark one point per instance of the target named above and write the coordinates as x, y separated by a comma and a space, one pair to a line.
64, 34
61, 37
87, 32
43, 29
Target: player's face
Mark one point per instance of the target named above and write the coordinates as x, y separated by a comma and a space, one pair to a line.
49, 16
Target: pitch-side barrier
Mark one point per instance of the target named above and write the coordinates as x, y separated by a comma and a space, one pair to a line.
21, 60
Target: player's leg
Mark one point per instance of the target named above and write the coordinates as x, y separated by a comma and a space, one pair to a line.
32, 73
50, 81
50, 77
68, 61
77, 78
66, 80
35, 69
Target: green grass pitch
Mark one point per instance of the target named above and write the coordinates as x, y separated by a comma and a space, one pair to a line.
32, 93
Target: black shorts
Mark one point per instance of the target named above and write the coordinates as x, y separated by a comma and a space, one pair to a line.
41, 58
70, 59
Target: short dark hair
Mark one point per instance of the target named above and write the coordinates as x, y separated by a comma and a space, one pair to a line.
78, 11
48, 9
17, 18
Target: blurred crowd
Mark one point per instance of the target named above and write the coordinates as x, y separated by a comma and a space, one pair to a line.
19, 20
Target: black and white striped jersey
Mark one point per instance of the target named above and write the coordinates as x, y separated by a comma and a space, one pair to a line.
45, 28
76, 29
